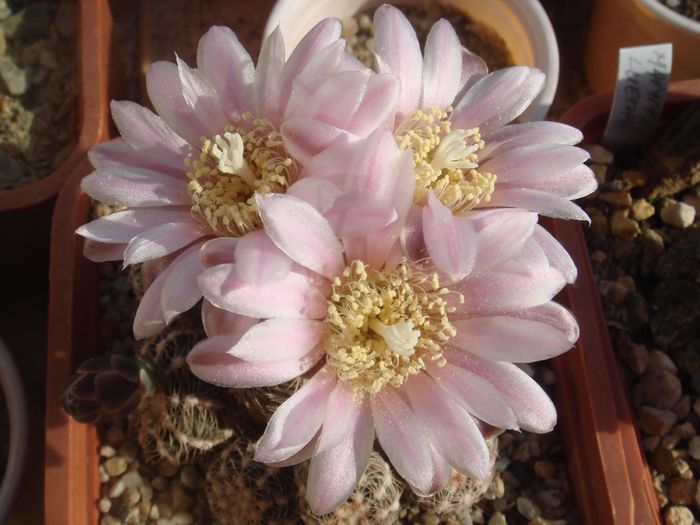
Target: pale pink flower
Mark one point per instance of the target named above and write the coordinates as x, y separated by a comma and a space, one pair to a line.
454, 118
396, 352
225, 131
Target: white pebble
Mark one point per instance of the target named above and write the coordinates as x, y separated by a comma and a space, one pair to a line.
132, 480
694, 447
104, 505
182, 518
678, 214
117, 489
498, 519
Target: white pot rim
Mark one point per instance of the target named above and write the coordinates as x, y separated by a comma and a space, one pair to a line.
534, 20
672, 17
13, 390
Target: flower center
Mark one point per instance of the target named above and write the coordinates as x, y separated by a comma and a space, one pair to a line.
384, 325
446, 161
231, 168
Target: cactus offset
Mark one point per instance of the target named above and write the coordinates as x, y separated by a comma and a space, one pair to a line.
243, 492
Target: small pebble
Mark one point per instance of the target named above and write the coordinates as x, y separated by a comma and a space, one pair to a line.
544, 469
115, 466
104, 505
694, 447
622, 226
662, 388
497, 519
600, 171
682, 491
527, 508
117, 489
642, 210
14, 78
637, 358
132, 480
684, 431
600, 154
661, 360
694, 201
182, 518
678, 214
107, 452
678, 515
622, 199
655, 421
635, 178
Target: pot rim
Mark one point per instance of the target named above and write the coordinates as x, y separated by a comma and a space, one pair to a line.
535, 22
670, 16
11, 385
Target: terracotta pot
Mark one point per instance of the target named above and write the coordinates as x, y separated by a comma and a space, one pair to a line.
25, 212
13, 391
623, 23
523, 25
594, 406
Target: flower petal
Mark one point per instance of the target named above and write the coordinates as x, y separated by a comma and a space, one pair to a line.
318, 192
294, 296
354, 215
302, 233
122, 226
233, 77
529, 133
281, 339
556, 254
473, 69
269, 71
201, 97
507, 338
451, 241
497, 99
442, 66
541, 202
219, 250
211, 361
149, 134
102, 251
162, 240
217, 321
334, 473
404, 441
135, 187
501, 234
452, 431
396, 44
520, 165
533, 409
554, 315
473, 393
120, 153
165, 92
297, 420
305, 137
180, 290
259, 260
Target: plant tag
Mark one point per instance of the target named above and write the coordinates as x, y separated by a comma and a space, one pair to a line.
640, 94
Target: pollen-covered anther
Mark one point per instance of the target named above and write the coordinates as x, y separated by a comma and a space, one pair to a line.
446, 161
231, 168
383, 326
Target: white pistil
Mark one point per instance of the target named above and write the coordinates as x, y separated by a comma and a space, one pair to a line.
401, 337
453, 151
229, 151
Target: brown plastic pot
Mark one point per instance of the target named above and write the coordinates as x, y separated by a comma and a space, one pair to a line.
25, 212
607, 465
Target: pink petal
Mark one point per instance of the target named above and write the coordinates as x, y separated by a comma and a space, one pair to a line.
122, 226
337, 426
532, 407
529, 134
404, 440
556, 254
451, 241
501, 234
149, 134
269, 71
259, 261
219, 250
294, 296
334, 473
217, 321
507, 338
305, 137
297, 420
452, 431
302, 233
135, 187
280, 339
320, 193
554, 315
326, 62
541, 202
121, 154
165, 92
211, 361
497, 99
442, 66
202, 98
376, 109
473, 393
149, 318
520, 165
353, 215
473, 69
162, 240
322, 35
228, 67
180, 291
396, 44
101, 251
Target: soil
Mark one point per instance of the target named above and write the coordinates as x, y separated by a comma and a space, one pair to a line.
645, 247
38, 86
689, 8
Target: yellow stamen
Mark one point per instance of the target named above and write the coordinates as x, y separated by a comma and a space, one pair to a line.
446, 160
385, 325
231, 168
